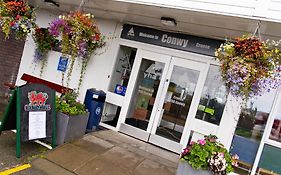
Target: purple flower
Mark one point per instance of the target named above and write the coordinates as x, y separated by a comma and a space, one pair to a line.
82, 51
38, 56
57, 25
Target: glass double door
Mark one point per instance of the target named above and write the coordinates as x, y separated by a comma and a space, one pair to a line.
163, 99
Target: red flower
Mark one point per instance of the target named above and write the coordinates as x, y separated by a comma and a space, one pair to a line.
96, 37
18, 17
12, 23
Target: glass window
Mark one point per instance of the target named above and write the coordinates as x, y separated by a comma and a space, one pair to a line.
250, 128
177, 103
275, 133
213, 98
111, 114
270, 161
122, 71
144, 94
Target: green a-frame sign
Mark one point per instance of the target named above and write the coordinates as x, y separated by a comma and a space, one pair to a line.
30, 99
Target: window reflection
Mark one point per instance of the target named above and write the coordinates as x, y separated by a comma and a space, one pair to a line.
275, 133
144, 93
213, 98
250, 128
270, 161
122, 71
177, 103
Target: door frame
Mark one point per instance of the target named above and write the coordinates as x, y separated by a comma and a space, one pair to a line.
140, 56
192, 65
230, 115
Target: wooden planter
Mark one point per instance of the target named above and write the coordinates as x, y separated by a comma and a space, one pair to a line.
70, 128
185, 169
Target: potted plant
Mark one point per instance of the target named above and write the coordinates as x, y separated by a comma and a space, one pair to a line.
206, 157
72, 118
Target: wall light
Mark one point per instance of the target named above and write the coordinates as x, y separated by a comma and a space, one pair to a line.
52, 3
171, 22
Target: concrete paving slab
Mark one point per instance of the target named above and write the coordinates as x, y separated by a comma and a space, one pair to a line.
98, 141
123, 158
101, 166
69, 156
148, 155
135, 149
49, 168
92, 148
116, 138
160, 152
150, 167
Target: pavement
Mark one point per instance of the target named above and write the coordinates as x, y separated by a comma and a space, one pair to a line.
105, 152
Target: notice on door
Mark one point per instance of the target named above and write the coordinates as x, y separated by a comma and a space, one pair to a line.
37, 125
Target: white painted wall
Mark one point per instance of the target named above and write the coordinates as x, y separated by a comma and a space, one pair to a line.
99, 67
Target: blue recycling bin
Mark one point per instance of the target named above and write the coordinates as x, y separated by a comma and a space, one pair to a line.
94, 102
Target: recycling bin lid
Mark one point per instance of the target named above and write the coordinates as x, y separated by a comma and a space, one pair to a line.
98, 92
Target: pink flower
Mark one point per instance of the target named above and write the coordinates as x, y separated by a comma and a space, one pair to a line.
202, 142
192, 143
221, 154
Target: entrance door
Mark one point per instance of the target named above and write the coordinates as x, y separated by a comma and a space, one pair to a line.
178, 103
143, 93
162, 100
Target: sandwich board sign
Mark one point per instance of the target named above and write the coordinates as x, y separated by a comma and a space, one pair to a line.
31, 112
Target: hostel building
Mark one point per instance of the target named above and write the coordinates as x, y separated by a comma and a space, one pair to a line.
161, 78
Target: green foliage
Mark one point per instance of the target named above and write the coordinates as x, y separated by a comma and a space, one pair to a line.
68, 104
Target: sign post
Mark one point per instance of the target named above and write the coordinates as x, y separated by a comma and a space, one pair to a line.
31, 111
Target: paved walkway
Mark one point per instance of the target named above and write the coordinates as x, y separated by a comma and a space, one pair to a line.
106, 153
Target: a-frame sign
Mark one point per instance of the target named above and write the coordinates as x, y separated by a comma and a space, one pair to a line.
31, 112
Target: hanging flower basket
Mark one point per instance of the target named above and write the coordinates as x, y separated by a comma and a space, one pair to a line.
250, 67
44, 42
80, 37
16, 17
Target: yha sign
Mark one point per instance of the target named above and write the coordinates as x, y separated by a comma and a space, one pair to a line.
37, 102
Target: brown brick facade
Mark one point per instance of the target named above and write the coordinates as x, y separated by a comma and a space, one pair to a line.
10, 57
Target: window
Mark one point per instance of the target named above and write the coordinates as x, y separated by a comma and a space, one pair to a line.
111, 114
213, 98
122, 71
250, 129
275, 133
270, 161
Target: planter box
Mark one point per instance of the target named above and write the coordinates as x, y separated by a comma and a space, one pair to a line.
185, 169
70, 128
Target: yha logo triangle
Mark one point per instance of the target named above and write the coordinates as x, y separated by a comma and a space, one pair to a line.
131, 32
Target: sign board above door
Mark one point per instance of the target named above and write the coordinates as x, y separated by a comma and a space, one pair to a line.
189, 43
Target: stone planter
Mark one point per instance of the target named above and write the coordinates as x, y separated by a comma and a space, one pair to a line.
70, 128
185, 169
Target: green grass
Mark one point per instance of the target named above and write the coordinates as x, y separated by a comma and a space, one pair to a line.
243, 133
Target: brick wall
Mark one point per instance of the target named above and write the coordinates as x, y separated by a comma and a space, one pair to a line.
10, 57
